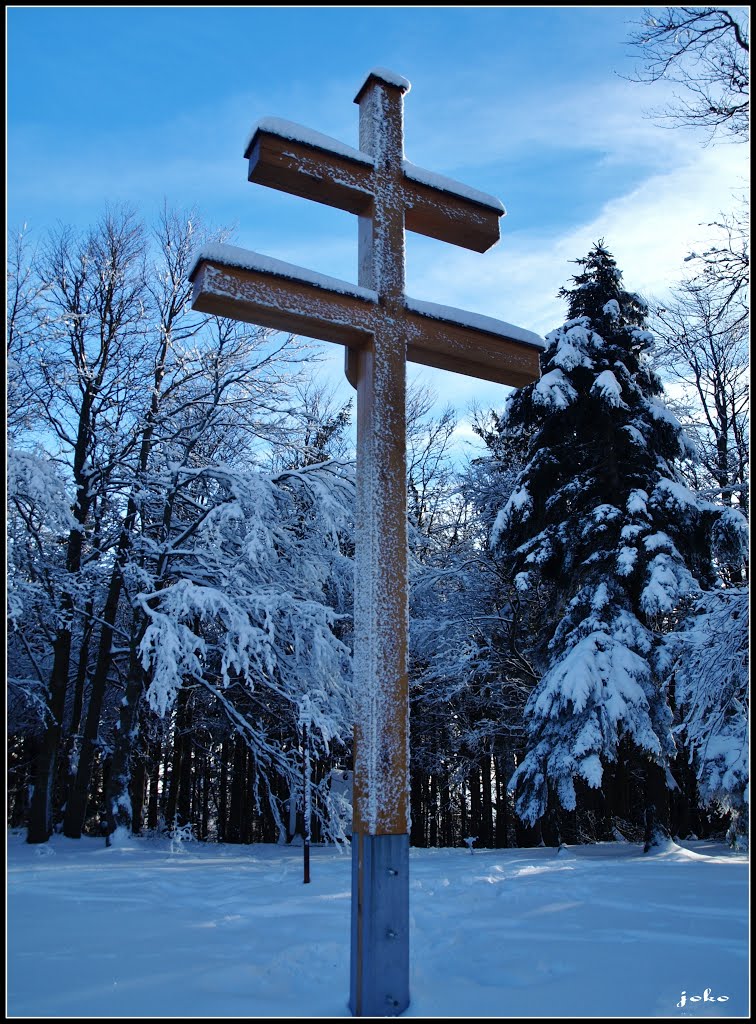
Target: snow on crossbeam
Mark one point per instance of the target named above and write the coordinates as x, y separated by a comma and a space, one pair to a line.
241, 285
476, 321
457, 188
294, 159
477, 346
245, 285
247, 259
294, 132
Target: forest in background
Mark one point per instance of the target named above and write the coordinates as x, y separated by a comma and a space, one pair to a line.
180, 545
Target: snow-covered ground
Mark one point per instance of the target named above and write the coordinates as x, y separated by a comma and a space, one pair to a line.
139, 930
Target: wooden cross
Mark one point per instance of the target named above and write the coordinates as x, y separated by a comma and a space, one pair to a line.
381, 328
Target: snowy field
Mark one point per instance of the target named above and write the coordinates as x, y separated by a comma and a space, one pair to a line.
231, 931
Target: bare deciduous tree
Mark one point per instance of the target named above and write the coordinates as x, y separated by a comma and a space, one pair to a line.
705, 51
702, 347
88, 360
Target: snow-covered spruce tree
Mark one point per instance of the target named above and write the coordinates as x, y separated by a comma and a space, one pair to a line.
600, 516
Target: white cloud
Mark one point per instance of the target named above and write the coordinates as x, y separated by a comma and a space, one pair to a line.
495, 126
649, 230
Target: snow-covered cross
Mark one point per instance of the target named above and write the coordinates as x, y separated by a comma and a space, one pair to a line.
381, 328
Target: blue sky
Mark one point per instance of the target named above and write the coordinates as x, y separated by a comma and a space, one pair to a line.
529, 104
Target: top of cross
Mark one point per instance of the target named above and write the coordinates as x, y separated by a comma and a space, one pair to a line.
389, 195
295, 159
386, 76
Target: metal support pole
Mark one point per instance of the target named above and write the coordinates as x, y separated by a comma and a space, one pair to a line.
380, 925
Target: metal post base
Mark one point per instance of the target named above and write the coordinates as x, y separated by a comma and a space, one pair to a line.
380, 925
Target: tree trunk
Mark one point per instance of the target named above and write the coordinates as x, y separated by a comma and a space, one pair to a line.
119, 808
41, 810
177, 809
433, 812
656, 797
67, 770
417, 830
447, 819
78, 792
486, 804
225, 757
248, 803
502, 804
475, 803
184, 803
45, 769
205, 800
138, 791
238, 780
153, 805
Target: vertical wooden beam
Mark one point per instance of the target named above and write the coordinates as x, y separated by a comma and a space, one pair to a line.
381, 327
380, 843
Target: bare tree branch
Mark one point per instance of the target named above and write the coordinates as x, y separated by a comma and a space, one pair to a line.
704, 50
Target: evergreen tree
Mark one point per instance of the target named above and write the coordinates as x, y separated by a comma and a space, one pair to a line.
600, 516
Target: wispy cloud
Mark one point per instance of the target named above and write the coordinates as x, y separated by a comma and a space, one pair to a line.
650, 230
607, 118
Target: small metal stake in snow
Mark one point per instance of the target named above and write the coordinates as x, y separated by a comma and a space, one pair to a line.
306, 807
381, 328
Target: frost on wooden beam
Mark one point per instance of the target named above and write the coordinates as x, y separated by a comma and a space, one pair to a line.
289, 298
294, 159
304, 170
283, 303
438, 340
